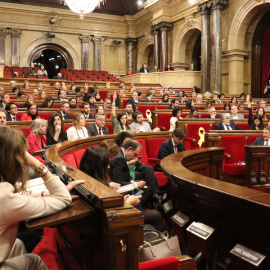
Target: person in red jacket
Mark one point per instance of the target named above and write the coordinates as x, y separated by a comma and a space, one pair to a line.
37, 139
32, 113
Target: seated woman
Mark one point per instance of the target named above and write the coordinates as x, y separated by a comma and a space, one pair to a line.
30, 99
48, 103
97, 97
16, 89
21, 95
176, 112
168, 68
119, 122
91, 100
256, 122
165, 98
55, 132
18, 205
37, 138
32, 113
193, 113
78, 131
26, 84
95, 163
227, 106
42, 71
41, 95
234, 100
248, 99
99, 109
199, 99
72, 88
189, 104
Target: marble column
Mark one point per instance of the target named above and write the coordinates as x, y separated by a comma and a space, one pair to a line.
155, 30
164, 28
131, 54
85, 51
97, 53
205, 10
15, 35
3, 33
217, 6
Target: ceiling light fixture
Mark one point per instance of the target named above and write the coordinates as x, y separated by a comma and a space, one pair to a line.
82, 7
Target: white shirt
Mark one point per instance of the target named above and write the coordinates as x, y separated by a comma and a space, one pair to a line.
225, 127
174, 146
98, 130
75, 134
268, 142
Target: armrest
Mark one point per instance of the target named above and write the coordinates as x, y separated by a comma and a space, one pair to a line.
191, 140
227, 156
186, 262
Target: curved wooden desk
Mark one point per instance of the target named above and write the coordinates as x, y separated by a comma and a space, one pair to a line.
238, 214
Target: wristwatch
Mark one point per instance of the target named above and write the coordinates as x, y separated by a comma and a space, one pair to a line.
41, 170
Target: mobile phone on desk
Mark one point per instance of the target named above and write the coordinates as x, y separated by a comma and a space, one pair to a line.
139, 193
140, 157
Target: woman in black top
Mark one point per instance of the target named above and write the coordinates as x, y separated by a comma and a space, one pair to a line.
55, 131
255, 123
48, 103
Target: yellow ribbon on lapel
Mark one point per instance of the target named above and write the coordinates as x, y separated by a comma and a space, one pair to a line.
201, 135
148, 114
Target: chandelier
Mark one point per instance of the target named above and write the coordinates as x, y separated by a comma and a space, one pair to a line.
82, 7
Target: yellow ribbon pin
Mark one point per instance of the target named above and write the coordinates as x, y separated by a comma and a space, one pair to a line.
148, 115
201, 135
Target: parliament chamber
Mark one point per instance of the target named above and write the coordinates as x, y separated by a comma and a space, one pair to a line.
215, 194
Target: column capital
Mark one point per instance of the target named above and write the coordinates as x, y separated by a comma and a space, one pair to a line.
4, 31
97, 40
85, 38
155, 28
131, 40
15, 32
205, 7
165, 26
219, 4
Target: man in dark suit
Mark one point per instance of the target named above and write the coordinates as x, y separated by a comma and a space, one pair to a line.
12, 110
144, 68
62, 95
134, 98
98, 128
172, 145
174, 104
119, 171
226, 123
3, 117
213, 113
5, 99
149, 96
86, 111
64, 110
265, 139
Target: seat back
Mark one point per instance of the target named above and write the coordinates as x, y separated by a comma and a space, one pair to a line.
152, 146
196, 131
143, 152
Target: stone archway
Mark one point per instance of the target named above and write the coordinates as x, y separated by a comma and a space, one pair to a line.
71, 56
186, 37
144, 51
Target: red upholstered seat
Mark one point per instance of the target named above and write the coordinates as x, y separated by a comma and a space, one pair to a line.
168, 263
78, 156
164, 120
251, 139
244, 126
110, 127
45, 116
70, 159
25, 131
143, 109
233, 143
194, 132
152, 149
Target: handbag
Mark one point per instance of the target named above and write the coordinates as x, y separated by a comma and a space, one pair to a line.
156, 246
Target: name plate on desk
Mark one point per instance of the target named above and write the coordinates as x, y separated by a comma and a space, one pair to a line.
200, 229
180, 219
247, 254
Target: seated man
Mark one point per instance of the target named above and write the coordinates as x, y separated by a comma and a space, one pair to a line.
265, 139
213, 113
144, 68
107, 104
57, 86
129, 110
73, 103
64, 110
12, 110
98, 128
226, 123
216, 99
1, 90
3, 118
86, 111
149, 96
5, 99
120, 173
174, 104
32, 71
235, 114
134, 98
58, 77
172, 145
139, 125
62, 95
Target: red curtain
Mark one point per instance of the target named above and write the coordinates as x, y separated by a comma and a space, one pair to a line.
265, 58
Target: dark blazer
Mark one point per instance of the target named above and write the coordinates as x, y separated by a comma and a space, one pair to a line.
166, 148
31, 71
170, 107
90, 116
132, 101
51, 141
216, 117
142, 70
10, 119
258, 141
1, 105
92, 130
219, 126
147, 100
119, 171
68, 116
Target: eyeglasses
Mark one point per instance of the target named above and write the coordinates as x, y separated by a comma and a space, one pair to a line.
14, 108
101, 120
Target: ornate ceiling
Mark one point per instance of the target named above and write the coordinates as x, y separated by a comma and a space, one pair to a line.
114, 7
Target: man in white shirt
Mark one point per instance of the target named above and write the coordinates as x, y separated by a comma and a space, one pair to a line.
144, 69
86, 111
12, 110
139, 125
265, 139
235, 114
64, 110
5, 100
99, 127
226, 123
